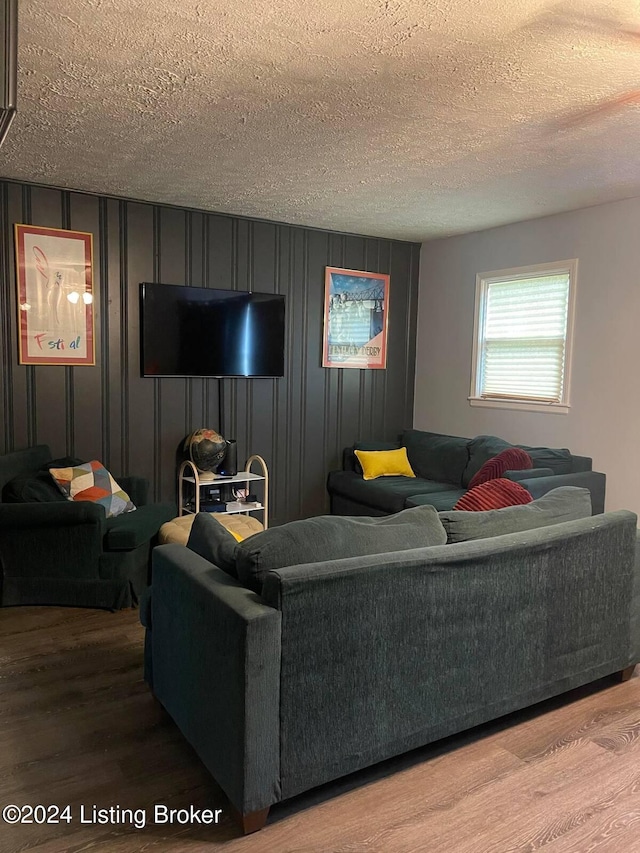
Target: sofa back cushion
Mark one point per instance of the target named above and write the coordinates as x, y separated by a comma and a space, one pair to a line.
214, 542
557, 458
482, 448
434, 456
332, 537
350, 460
566, 503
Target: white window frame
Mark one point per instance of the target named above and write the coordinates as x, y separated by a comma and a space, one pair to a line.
483, 280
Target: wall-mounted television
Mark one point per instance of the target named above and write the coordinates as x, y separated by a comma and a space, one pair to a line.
201, 331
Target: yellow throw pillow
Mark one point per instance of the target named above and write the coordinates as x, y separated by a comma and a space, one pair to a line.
384, 463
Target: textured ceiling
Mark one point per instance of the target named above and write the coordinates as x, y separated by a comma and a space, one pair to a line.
396, 118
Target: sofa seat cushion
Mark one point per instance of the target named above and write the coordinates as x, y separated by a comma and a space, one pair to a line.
388, 494
332, 537
434, 456
567, 503
129, 530
439, 500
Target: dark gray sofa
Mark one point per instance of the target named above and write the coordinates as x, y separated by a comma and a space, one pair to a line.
338, 665
444, 466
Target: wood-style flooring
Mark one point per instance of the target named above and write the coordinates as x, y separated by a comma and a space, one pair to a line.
79, 727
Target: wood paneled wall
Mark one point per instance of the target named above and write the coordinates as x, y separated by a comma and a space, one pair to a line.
299, 423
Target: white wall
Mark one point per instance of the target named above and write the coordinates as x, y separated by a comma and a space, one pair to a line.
604, 419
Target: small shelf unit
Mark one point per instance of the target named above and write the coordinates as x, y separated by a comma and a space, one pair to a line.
188, 473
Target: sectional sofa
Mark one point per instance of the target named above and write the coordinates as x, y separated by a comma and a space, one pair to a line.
307, 665
444, 466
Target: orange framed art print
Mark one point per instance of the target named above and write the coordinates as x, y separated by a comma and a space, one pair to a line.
55, 296
356, 316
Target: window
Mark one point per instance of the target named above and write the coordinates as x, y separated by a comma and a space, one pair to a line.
522, 337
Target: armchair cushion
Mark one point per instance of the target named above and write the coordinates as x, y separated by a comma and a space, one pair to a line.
33, 487
23, 461
127, 531
36, 485
62, 462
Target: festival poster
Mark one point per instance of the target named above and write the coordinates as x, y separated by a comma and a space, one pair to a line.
55, 296
356, 313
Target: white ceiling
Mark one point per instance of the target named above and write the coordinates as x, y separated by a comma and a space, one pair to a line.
397, 118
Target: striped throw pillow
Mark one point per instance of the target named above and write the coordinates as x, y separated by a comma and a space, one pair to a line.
494, 494
511, 459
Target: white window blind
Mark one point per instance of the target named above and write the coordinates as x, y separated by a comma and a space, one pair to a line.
522, 337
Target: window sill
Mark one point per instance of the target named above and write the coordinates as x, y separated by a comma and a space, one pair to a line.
521, 405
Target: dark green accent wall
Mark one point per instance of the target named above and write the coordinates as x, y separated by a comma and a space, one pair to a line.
299, 423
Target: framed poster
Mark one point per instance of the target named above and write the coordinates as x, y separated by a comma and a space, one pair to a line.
356, 314
55, 295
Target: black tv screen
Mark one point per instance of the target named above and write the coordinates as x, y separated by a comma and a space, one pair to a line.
199, 331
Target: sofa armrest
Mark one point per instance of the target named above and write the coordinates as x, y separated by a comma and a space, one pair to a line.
635, 607
215, 654
592, 480
136, 487
528, 474
581, 463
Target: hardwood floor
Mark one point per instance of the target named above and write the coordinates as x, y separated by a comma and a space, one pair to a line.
79, 727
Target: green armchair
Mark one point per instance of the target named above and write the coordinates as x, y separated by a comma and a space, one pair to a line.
69, 553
